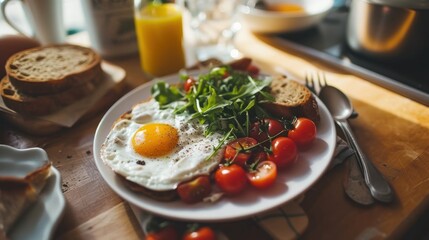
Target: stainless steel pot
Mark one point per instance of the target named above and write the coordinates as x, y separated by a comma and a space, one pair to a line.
389, 30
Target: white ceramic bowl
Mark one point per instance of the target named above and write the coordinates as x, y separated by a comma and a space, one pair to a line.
264, 21
17, 164
40, 219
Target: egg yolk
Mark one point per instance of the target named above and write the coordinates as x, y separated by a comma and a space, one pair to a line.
155, 139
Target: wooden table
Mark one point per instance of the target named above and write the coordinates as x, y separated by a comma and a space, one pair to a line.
392, 130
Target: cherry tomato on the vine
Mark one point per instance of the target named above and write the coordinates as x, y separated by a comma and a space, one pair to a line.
284, 152
260, 130
236, 150
194, 190
231, 179
202, 233
168, 232
303, 133
188, 84
258, 157
264, 175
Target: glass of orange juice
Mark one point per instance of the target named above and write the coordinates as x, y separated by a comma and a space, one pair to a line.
160, 37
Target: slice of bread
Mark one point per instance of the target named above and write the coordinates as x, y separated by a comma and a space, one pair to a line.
163, 196
45, 104
16, 195
52, 69
292, 99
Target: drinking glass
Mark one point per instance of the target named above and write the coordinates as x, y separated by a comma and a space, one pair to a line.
159, 31
213, 25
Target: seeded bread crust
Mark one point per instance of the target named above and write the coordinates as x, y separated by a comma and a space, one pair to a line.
292, 99
45, 104
52, 69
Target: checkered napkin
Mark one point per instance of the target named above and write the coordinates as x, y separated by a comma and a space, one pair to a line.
283, 223
290, 221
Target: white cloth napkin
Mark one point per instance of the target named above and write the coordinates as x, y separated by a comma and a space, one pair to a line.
283, 223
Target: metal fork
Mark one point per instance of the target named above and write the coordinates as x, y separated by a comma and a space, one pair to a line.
354, 184
316, 84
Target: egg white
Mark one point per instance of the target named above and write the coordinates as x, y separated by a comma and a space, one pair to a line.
186, 161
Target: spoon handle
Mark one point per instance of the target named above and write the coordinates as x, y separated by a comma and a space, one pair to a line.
375, 181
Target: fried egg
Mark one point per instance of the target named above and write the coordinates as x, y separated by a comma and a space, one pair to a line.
159, 149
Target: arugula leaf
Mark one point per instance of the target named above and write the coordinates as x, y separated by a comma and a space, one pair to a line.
165, 94
224, 99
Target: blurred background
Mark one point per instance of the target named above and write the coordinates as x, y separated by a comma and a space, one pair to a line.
72, 10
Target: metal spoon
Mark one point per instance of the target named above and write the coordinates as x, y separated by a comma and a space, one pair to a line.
341, 108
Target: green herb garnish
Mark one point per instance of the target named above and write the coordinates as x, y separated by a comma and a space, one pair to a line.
224, 99
165, 94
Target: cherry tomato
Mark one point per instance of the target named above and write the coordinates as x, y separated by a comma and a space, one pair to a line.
202, 233
234, 150
284, 152
253, 70
231, 179
241, 64
264, 175
261, 129
226, 74
188, 84
168, 232
194, 190
304, 132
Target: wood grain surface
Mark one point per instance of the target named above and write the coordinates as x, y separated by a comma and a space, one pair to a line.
392, 130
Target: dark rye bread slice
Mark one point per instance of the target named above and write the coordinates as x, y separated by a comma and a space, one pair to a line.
52, 69
292, 99
45, 104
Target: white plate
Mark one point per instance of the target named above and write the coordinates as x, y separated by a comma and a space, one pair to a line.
290, 183
265, 21
41, 218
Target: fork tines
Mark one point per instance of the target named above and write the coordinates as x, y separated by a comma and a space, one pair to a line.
309, 83
315, 83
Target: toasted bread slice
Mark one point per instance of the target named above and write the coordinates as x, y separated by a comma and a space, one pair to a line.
16, 195
52, 69
44, 104
164, 196
292, 99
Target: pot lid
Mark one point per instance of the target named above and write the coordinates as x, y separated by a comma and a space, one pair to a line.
413, 4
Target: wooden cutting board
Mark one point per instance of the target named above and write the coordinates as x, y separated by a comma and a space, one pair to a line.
392, 130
